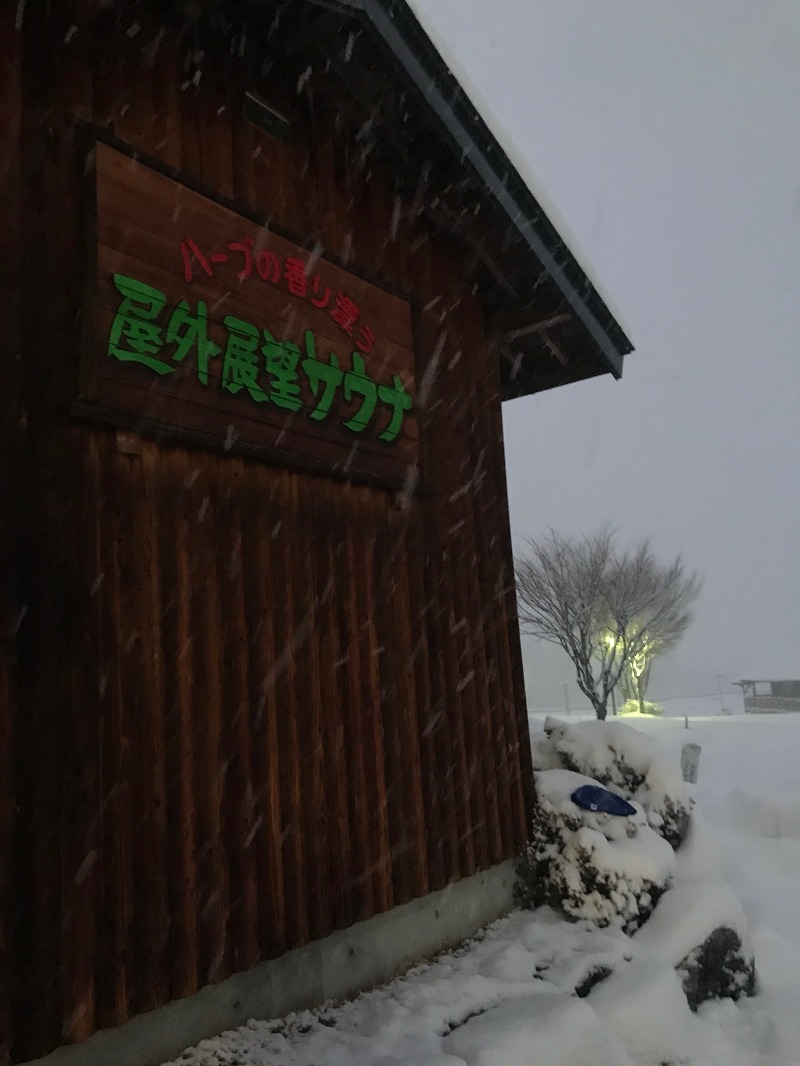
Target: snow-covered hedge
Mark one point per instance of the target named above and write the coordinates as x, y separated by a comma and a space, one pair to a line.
626, 761
587, 864
610, 869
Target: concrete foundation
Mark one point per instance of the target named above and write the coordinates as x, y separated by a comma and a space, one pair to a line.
343, 964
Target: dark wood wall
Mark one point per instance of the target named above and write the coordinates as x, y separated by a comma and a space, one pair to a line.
10, 233
250, 705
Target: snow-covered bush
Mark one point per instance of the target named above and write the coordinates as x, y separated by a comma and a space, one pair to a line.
655, 710
626, 761
587, 864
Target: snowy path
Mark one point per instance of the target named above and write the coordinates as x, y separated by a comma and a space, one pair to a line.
507, 998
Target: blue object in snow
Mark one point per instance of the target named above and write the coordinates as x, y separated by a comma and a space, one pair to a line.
597, 798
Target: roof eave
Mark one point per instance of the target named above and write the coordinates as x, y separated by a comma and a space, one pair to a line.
426, 71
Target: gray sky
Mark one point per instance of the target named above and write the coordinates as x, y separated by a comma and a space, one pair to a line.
668, 137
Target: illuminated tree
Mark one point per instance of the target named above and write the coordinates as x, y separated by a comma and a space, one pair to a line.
636, 676
612, 612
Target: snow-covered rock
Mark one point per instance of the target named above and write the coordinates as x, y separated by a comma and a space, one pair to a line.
699, 927
627, 761
588, 864
722, 967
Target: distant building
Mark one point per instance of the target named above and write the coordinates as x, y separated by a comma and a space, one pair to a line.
770, 697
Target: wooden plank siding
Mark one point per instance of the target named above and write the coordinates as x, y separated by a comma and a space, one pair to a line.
251, 704
11, 483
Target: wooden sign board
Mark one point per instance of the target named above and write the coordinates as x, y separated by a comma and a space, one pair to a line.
203, 321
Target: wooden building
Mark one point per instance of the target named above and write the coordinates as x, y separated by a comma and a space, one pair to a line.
266, 278
770, 697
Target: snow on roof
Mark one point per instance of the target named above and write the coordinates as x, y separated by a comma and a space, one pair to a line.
515, 157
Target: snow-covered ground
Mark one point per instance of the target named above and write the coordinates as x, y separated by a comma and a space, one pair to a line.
748, 797
507, 999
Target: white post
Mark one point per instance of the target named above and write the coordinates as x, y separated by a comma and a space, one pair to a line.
690, 757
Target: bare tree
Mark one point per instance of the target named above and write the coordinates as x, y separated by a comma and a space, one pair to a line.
610, 611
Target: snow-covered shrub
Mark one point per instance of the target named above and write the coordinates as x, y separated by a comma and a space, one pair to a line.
544, 754
628, 762
632, 707
587, 864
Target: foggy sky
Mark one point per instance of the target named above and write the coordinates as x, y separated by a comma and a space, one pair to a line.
668, 137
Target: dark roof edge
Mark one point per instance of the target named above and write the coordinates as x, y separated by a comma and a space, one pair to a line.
424, 66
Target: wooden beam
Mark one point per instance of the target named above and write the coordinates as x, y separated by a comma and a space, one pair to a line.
514, 359
554, 349
540, 302
537, 327
523, 364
